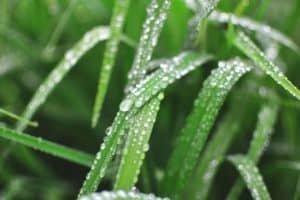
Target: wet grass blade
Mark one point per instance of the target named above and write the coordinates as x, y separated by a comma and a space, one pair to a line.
264, 128
216, 149
111, 49
149, 87
90, 39
244, 44
249, 24
137, 145
48, 147
199, 122
18, 118
156, 16
121, 195
251, 176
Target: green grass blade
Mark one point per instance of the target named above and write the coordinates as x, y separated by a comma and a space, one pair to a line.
244, 44
156, 16
214, 153
251, 176
121, 195
18, 118
248, 24
199, 122
104, 156
137, 145
90, 39
266, 121
297, 192
111, 49
169, 71
149, 87
48, 147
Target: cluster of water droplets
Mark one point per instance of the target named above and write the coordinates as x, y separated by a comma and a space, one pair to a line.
121, 195
156, 16
170, 70
71, 57
137, 141
246, 23
251, 176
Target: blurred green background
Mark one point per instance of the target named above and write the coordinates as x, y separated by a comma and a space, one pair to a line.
29, 51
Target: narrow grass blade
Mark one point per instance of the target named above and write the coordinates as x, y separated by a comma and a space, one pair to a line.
156, 16
121, 195
149, 87
169, 71
104, 156
18, 118
48, 147
244, 44
116, 25
266, 121
249, 24
137, 145
297, 192
90, 39
199, 122
214, 153
251, 176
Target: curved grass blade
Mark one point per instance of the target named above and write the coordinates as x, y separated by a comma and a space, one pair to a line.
169, 71
48, 147
244, 44
266, 121
137, 144
248, 24
199, 122
117, 21
121, 195
90, 39
251, 176
214, 153
18, 118
148, 88
156, 16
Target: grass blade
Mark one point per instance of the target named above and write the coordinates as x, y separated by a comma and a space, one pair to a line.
121, 195
216, 149
137, 145
18, 118
244, 44
199, 123
251, 176
116, 26
156, 16
90, 39
248, 24
148, 88
266, 121
48, 147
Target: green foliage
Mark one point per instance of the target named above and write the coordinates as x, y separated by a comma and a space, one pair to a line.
173, 148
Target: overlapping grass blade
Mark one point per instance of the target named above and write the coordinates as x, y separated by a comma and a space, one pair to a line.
249, 24
214, 153
121, 195
251, 176
48, 147
266, 121
149, 87
156, 16
137, 145
244, 44
90, 39
111, 49
199, 123
18, 118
